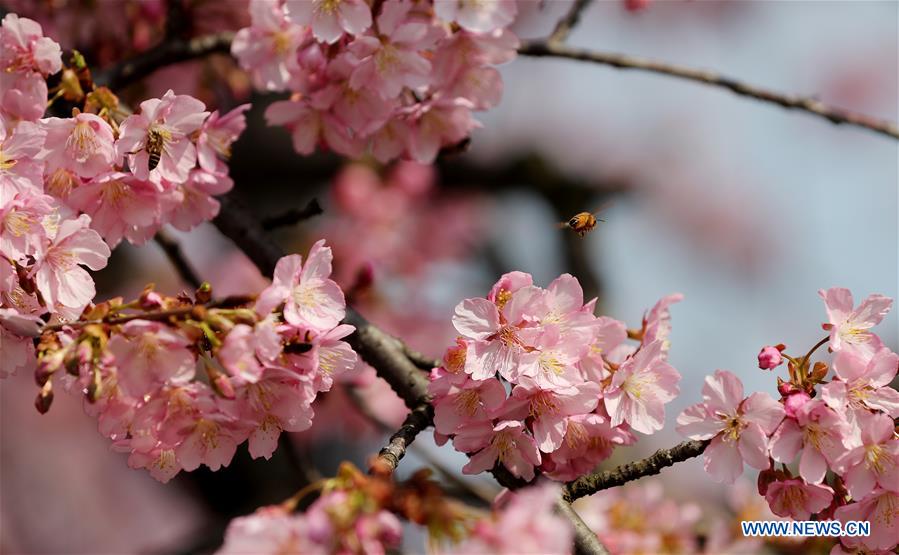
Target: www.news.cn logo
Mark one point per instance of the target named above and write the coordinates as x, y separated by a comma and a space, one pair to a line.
805, 528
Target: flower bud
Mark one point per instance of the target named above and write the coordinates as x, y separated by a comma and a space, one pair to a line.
150, 300
770, 358
203, 293
44, 398
795, 401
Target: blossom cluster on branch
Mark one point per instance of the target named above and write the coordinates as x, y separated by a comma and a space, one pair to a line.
71, 188
178, 382
356, 513
841, 430
577, 389
391, 78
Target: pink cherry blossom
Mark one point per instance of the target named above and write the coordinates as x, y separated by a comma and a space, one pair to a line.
438, 123
738, 427
23, 47
589, 440
523, 521
863, 384
20, 170
465, 402
16, 333
217, 134
505, 443
818, 432
795, 499
849, 328
312, 299
148, 355
873, 463
552, 364
329, 358
168, 121
640, 388
26, 222
550, 409
879, 509
480, 17
391, 61
191, 203
309, 127
82, 144
497, 345
268, 47
238, 354
120, 206
23, 96
268, 530
277, 403
58, 274
657, 322
329, 19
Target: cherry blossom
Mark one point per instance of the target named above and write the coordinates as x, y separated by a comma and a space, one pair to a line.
480, 17
879, 509
268, 47
329, 19
82, 144
640, 388
818, 432
505, 443
873, 463
863, 385
796, 499
738, 427
849, 326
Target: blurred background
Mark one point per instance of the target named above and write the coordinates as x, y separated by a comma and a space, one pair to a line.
744, 207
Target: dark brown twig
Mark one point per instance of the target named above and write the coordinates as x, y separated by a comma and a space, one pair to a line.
592, 483
293, 216
418, 419
172, 250
567, 23
791, 102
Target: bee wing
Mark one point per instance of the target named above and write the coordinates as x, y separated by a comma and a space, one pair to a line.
562, 225
603, 207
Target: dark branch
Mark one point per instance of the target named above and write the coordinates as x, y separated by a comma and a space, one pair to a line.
170, 51
803, 104
420, 418
293, 216
585, 539
567, 23
592, 483
172, 250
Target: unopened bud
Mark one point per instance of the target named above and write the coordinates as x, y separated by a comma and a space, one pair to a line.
223, 386
204, 293
785, 388
149, 299
770, 358
44, 398
794, 401
70, 86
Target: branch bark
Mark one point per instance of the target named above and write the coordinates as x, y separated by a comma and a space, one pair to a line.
567, 23
592, 483
808, 105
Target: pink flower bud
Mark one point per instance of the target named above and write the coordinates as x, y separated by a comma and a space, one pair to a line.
794, 402
769, 358
150, 299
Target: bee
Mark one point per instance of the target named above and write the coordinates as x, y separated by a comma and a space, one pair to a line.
582, 223
154, 144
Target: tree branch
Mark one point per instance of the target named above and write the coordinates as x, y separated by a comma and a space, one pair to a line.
567, 23
592, 483
292, 216
170, 51
418, 419
791, 102
172, 250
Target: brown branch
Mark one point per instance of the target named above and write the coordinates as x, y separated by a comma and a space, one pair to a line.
168, 52
592, 483
172, 250
585, 539
418, 419
791, 102
567, 23
293, 216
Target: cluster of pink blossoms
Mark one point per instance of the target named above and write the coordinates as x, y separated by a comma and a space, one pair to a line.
842, 431
393, 78
577, 389
71, 188
179, 384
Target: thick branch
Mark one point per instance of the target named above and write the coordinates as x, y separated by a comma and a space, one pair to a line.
803, 104
585, 539
592, 483
293, 216
170, 51
172, 250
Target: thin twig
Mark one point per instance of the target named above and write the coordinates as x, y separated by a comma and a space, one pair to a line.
419, 418
293, 216
585, 539
592, 483
567, 23
172, 250
791, 102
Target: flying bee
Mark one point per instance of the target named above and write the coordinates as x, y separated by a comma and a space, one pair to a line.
583, 223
